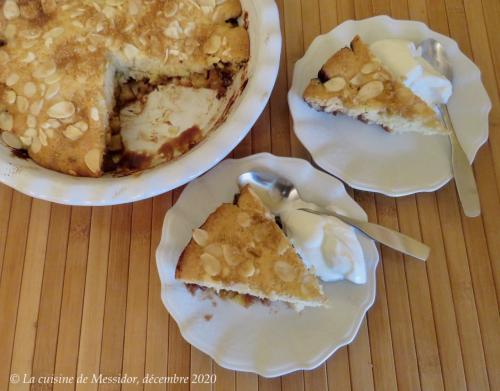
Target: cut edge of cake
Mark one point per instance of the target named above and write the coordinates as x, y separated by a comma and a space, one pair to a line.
354, 82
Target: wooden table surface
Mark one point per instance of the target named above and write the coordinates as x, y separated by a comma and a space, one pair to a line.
79, 291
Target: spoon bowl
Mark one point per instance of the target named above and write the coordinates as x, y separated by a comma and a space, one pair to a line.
273, 189
434, 53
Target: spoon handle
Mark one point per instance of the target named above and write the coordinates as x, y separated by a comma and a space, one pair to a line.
389, 237
462, 171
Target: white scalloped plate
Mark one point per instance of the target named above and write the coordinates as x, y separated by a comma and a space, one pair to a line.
269, 340
265, 39
365, 156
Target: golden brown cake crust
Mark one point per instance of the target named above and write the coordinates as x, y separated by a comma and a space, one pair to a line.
354, 79
56, 58
242, 245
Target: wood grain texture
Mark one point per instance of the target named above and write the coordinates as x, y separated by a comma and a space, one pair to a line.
80, 294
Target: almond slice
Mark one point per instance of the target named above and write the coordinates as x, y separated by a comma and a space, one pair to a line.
244, 220
61, 110
285, 271
211, 265
335, 84
369, 68
93, 160
6, 121
11, 140
200, 236
370, 90
247, 269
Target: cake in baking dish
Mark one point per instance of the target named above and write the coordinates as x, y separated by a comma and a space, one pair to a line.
67, 67
354, 82
240, 249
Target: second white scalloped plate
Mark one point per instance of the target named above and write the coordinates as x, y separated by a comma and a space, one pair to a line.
365, 156
270, 341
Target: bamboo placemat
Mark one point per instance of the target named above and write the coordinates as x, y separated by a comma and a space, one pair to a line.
79, 291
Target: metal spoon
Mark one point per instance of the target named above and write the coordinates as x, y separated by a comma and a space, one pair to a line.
275, 189
434, 53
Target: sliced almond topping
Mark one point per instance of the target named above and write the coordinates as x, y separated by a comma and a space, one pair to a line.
52, 91
214, 249
29, 58
10, 31
36, 146
200, 236
31, 132
50, 132
36, 107
308, 286
53, 78
31, 121
82, 125
173, 30
30, 34
130, 51
54, 33
357, 80
28, 44
26, 140
11, 140
369, 68
42, 87
283, 246
335, 84
51, 124
285, 271
382, 76
10, 97
61, 110
72, 132
22, 104
10, 10
213, 44
244, 219
29, 89
93, 160
6, 121
211, 265
43, 137
231, 255
370, 90
44, 70
247, 269
12, 79
94, 114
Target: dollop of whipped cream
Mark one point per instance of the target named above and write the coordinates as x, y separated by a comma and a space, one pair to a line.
405, 62
327, 245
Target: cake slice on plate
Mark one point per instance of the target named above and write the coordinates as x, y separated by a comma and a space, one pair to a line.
241, 249
354, 82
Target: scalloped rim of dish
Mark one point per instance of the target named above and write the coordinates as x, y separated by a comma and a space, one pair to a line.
41, 183
393, 191
163, 252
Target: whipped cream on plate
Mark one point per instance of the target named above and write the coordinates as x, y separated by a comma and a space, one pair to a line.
404, 61
326, 244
